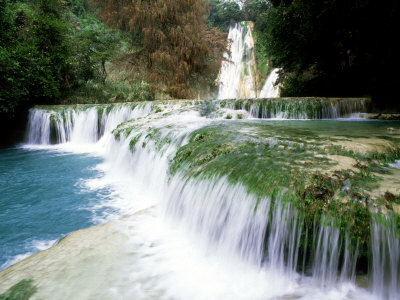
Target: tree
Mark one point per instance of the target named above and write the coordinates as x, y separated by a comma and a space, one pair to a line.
223, 13
51, 29
176, 44
34, 54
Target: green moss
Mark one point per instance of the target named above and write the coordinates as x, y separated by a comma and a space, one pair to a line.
134, 141
156, 109
220, 150
117, 135
100, 110
280, 160
108, 108
23, 290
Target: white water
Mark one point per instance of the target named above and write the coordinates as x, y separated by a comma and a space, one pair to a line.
270, 90
386, 263
197, 239
301, 109
34, 246
236, 78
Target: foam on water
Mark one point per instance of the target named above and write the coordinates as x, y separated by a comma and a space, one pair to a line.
33, 246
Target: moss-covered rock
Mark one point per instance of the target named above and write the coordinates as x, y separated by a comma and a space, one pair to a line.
272, 159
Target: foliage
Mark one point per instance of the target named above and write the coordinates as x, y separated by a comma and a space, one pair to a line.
93, 45
53, 50
323, 54
176, 45
34, 62
223, 13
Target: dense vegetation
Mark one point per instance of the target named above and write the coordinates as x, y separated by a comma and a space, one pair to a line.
331, 48
61, 52
50, 52
176, 48
336, 48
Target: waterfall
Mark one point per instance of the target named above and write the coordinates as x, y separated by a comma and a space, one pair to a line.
300, 108
266, 232
221, 214
80, 125
385, 279
236, 78
270, 90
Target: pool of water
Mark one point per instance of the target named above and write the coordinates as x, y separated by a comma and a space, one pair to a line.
43, 197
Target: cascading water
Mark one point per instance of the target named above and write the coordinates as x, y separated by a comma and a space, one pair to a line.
386, 259
236, 78
270, 90
300, 108
79, 125
262, 236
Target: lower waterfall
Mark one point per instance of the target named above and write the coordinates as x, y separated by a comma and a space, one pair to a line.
235, 230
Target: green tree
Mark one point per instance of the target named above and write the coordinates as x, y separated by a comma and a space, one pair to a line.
223, 13
51, 31
34, 54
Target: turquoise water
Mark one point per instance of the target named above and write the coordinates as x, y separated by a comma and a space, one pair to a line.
43, 197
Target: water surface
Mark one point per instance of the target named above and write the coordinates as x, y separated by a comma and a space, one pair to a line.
43, 197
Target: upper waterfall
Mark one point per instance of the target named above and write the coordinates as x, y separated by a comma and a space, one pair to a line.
236, 78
